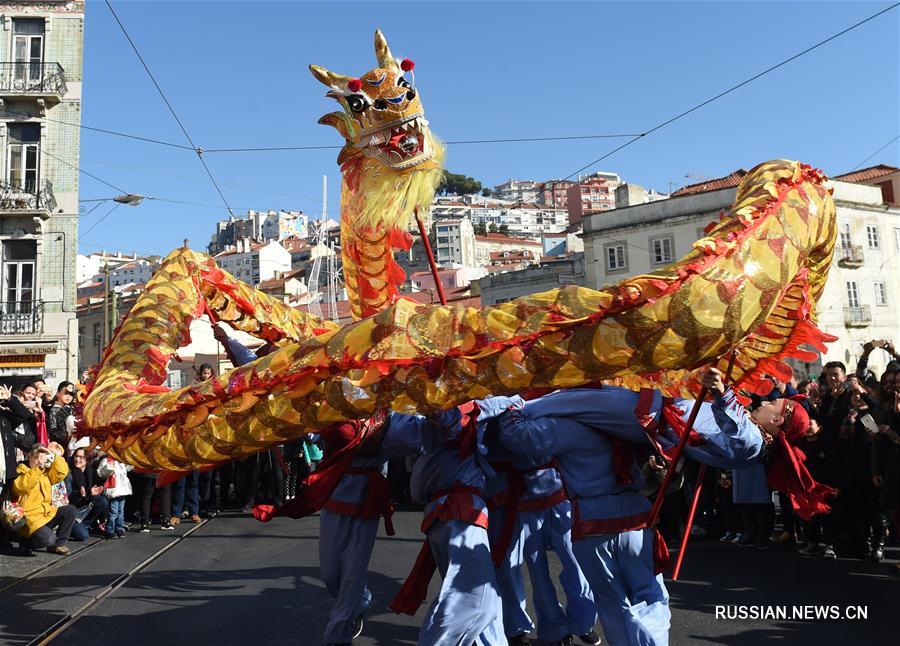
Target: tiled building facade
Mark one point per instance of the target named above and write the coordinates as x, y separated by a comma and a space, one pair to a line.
41, 46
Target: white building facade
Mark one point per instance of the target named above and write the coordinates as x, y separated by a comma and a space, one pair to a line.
41, 46
254, 262
518, 190
454, 242
861, 300
136, 272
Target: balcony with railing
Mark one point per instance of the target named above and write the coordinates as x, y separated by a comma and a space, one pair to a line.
850, 255
22, 317
860, 316
30, 196
38, 80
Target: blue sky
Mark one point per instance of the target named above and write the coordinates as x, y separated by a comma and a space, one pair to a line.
236, 73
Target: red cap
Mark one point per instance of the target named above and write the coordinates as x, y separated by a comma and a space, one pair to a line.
407, 65
355, 85
796, 421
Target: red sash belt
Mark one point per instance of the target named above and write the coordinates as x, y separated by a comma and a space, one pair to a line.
457, 506
377, 501
544, 502
511, 498
583, 528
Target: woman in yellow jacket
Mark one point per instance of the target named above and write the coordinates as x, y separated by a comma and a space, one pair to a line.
46, 467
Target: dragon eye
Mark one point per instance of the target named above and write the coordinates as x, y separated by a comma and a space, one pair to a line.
402, 82
381, 104
357, 103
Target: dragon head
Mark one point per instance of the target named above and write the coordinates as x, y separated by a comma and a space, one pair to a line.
383, 117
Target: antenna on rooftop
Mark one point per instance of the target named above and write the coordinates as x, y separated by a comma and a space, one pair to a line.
320, 236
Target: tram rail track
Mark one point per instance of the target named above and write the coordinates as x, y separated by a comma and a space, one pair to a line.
50, 567
60, 626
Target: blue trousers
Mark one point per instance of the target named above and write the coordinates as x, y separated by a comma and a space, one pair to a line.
189, 484
345, 547
551, 529
116, 519
86, 516
510, 579
632, 602
467, 609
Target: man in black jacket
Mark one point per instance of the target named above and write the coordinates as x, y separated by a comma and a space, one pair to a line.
12, 414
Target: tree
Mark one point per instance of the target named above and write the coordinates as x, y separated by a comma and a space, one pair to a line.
456, 184
480, 229
504, 229
486, 192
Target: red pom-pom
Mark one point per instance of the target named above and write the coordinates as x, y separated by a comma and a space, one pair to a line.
407, 65
355, 85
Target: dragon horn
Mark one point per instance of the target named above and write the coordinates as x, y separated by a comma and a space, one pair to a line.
383, 52
331, 79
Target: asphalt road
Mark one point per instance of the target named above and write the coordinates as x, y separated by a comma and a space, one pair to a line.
237, 581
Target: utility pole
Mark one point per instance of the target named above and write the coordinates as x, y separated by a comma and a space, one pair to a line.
104, 338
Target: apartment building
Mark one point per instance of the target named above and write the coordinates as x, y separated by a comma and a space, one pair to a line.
861, 300
41, 46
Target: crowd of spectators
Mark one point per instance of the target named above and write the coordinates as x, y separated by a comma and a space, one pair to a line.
62, 490
54, 488
853, 446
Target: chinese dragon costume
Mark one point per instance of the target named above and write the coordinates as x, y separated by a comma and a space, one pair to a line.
748, 288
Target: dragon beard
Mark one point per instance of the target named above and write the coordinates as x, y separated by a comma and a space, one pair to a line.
377, 208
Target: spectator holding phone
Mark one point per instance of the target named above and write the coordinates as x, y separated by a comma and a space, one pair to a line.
58, 423
45, 525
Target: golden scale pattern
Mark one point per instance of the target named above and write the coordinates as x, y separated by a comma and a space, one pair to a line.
750, 287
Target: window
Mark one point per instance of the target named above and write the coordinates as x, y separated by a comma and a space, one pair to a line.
845, 236
662, 250
19, 257
81, 338
872, 236
852, 294
880, 293
615, 258
96, 334
28, 51
22, 156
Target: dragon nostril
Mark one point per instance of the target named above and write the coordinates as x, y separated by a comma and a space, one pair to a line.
380, 104
411, 95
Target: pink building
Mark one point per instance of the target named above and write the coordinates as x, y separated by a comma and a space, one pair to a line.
593, 194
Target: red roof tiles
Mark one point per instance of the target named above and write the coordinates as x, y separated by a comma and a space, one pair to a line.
728, 181
867, 174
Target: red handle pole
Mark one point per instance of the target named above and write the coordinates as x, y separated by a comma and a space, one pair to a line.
690, 521
430, 254
661, 494
698, 488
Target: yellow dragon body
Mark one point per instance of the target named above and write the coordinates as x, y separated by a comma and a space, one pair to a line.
749, 288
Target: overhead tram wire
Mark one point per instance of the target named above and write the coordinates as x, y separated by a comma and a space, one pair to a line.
735, 87
159, 89
724, 93
92, 128
81, 170
305, 147
81, 234
449, 143
875, 153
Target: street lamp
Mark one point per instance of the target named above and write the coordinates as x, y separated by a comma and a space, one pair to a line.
131, 199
